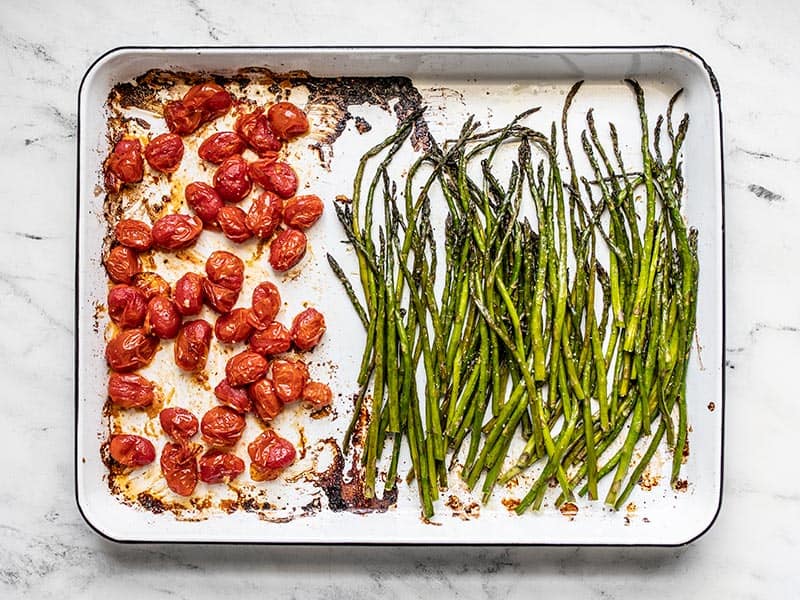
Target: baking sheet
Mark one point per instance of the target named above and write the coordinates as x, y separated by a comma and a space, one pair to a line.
494, 84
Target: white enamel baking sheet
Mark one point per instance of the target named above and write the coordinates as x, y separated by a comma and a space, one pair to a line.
494, 84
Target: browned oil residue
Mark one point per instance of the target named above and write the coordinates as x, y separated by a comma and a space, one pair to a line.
511, 504
465, 512
323, 412
649, 480
685, 455
151, 503
303, 442
681, 485
711, 407
631, 508
362, 126
569, 509
348, 494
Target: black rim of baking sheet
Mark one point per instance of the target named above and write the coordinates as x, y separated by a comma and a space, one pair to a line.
665, 47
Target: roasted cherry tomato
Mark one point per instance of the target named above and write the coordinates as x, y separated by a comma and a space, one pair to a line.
179, 466
264, 215
134, 234
226, 269
174, 232
163, 318
124, 165
150, 284
287, 120
218, 297
289, 378
287, 249
127, 306
189, 294
245, 367
222, 426
130, 350
277, 177
235, 398
257, 168
231, 179
233, 222
211, 99
181, 119
131, 450
178, 423
270, 454
316, 395
271, 340
302, 212
233, 327
130, 390
122, 264
265, 402
254, 128
307, 329
164, 152
203, 200
220, 467
192, 344
266, 303
219, 146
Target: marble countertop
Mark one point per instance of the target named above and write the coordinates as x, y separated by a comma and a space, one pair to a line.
45, 547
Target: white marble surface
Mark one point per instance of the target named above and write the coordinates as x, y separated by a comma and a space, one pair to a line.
46, 549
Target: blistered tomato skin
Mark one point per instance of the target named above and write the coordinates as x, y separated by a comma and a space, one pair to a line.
289, 379
269, 454
220, 467
280, 178
265, 402
218, 297
150, 284
316, 395
127, 306
266, 303
179, 467
189, 294
134, 234
175, 232
131, 450
226, 269
302, 212
264, 215
192, 344
164, 152
163, 318
287, 249
254, 128
130, 390
204, 201
273, 339
220, 146
124, 165
287, 120
222, 426
258, 169
180, 119
233, 327
211, 99
130, 350
233, 222
235, 398
245, 367
307, 329
122, 264
232, 180
178, 423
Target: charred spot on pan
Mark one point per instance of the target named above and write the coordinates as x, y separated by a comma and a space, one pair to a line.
151, 503
681, 485
569, 510
254, 504
348, 494
362, 125
711, 407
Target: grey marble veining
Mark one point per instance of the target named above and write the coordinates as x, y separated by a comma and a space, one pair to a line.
45, 548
